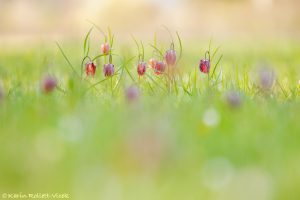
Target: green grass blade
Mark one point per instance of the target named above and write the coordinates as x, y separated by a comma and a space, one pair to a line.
216, 65
215, 52
99, 29
180, 45
128, 72
160, 53
137, 44
66, 58
155, 82
86, 44
168, 30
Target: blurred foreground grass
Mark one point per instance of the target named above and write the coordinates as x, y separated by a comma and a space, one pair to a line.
160, 147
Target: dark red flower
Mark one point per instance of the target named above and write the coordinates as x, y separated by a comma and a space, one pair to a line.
204, 66
160, 67
90, 69
141, 69
108, 70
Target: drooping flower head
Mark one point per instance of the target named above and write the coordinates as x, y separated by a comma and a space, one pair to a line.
108, 70
160, 67
105, 48
141, 68
205, 64
170, 57
152, 62
90, 69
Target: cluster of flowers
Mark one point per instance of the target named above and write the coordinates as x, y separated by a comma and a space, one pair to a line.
159, 67
108, 69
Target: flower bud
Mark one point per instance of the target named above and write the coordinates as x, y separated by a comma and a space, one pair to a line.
105, 48
170, 57
152, 62
108, 70
204, 66
160, 67
141, 69
90, 69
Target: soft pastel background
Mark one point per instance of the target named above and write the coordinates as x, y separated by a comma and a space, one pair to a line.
33, 20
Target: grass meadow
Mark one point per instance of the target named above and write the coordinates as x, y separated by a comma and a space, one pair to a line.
229, 134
